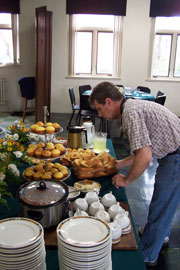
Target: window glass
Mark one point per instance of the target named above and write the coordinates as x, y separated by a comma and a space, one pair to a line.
95, 45
105, 53
6, 45
95, 21
177, 61
5, 18
161, 55
9, 41
83, 52
168, 23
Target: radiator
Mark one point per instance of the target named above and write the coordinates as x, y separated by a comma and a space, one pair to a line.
2, 91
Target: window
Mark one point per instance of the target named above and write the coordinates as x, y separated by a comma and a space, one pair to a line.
95, 45
166, 48
9, 44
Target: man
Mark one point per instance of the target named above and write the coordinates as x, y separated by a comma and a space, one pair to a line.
153, 131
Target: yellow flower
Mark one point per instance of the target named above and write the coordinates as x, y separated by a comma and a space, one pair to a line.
10, 127
9, 149
9, 143
0, 146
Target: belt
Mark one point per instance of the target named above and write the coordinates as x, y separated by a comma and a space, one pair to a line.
175, 152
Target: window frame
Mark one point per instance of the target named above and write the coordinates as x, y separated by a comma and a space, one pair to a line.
117, 51
14, 27
174, 34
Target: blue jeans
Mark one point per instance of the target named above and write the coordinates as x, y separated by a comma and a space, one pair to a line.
165, 200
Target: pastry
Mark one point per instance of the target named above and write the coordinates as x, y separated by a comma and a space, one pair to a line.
40, 123
50, 146
33, 127
60, 147
46, 176
55, 153
40, 130
29, 174
42, 145
38, 152
30, 151
48, 124
46, 154
38, 167
56, 126
37, 176
58, 175
50, 130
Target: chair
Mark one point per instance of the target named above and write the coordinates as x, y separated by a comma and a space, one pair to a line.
27, 88
160, 93
75, 107
144, 89
160, 99
83, 88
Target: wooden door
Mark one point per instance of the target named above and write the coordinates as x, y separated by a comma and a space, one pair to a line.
43, 61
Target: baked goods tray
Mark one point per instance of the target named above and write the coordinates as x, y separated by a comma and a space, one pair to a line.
127, 242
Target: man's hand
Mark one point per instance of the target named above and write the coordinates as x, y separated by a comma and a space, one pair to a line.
119, 180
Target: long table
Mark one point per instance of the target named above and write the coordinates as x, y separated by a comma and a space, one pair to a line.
121, 259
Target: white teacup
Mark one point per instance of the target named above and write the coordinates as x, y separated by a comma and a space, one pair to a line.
115, 230
80, 204
108, 199
91, 197
102, 214
122, 219
80, 213
114, 210
94, 207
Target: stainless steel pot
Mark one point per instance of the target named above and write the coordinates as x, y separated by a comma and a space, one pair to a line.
44, 201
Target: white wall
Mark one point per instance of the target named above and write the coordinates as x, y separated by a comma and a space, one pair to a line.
135, 51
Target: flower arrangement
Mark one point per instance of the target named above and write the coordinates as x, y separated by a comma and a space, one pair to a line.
12, 153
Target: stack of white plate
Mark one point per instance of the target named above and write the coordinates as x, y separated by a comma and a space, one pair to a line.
84, 243
21, 245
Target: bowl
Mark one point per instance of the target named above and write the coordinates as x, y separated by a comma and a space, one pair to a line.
91, 197
114, 210
108, 199
94, 207
103, 215
80, 204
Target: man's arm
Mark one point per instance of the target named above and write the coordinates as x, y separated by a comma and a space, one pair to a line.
141, 160
125, 162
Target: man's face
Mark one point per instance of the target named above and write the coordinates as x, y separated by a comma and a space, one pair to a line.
106, 111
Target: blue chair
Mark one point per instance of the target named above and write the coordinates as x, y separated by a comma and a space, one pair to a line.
27, 88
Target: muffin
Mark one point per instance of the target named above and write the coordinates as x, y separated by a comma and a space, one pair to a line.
41, 145
46, 154
54, 170
30, 151
40, 130
55, 153
58, 175
49, 166
50, 146
38, 152
40, 123
48, 124
37, 176
29, 174
50, 129
38, 167
46, 176
33, 127
56, 126
60, 147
